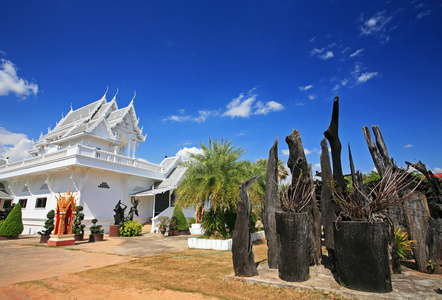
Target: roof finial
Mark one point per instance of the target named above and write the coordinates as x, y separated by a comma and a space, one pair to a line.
115, 97
132, 101
104, 96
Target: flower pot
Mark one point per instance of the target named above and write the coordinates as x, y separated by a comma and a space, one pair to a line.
293, 263
44, 239
79, 237
114, 231
96, 237
361, 256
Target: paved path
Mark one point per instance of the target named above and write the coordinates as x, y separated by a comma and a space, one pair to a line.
408, 285
25, 259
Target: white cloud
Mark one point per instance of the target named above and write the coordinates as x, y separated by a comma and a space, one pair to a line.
11, 83
285, 152
356, 53
376, 25
312, 97
307, 152
423, 14
327, 55
367, 76
316, 51
408, 146
242, 106
437, 170
270, 106
305, 88
14, 145
202, 116
185, 152
322, 53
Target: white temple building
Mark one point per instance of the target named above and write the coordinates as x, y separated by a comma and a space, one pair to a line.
91, 150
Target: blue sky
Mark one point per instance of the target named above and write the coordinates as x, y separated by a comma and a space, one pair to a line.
246, 71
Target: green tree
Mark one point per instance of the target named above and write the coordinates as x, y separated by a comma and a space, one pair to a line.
13, 224
214, 175
372, 176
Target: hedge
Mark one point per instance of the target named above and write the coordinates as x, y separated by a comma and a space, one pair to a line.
13, 224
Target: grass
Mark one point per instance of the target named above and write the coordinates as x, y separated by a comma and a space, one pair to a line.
192, 271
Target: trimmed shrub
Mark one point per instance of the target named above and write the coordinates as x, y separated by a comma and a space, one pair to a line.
49, 224
96, 229
1, 222
130, 228
13, 224
191, 221
79, 216
181, 219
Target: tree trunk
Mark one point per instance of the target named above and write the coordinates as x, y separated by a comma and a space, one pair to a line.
242, 252
329, 209
301, 173
333, 138
373, 151
271, 203
424, 231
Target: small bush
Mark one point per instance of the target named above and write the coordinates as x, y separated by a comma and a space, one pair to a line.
191, 221
130, 228
1, 222
181, 219
13, 224
214, 222
96, 229
173, 225
230, 218
49, 224
403, 244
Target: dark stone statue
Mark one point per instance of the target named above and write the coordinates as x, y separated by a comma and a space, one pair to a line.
119, 213
242, 252
133, 209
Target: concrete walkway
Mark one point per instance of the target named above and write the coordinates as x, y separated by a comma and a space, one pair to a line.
25, 259
408, 285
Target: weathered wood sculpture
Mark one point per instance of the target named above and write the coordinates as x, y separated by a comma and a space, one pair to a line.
242, 252
332, 136
329, 209
271, 203
301, 173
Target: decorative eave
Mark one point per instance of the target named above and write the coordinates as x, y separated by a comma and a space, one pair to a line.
81, 134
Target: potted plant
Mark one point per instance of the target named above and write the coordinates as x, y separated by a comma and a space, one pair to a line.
173, 226
362, 231
49, 226
13, 225
97, 232
78, 229
164, 222
292, 229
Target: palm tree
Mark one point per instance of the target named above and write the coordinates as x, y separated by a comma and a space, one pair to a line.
282, 171
214, 175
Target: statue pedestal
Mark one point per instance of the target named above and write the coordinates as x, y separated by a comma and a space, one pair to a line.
61, 240
114, 231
